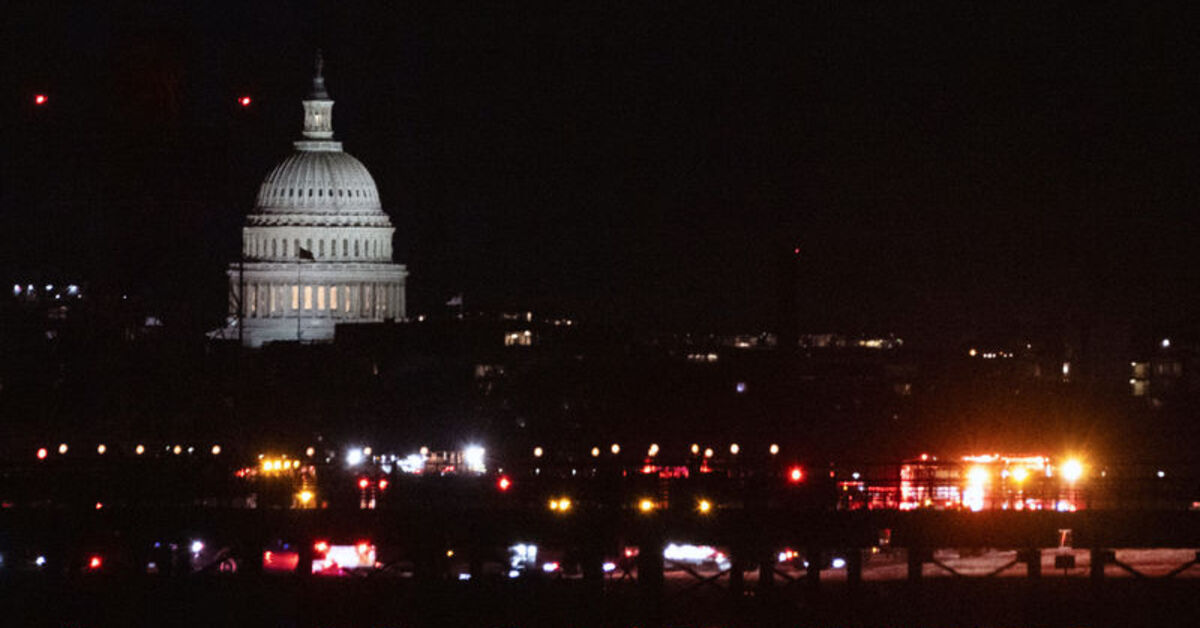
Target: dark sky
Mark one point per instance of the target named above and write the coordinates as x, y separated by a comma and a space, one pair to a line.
944, 168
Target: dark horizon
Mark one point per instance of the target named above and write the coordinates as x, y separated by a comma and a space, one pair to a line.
945, 171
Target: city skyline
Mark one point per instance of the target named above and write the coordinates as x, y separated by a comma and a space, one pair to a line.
942, 172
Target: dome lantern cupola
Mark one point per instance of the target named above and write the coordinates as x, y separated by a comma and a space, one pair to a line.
318, 111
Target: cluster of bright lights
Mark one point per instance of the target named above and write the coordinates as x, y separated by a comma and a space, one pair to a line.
560, 504
274, 465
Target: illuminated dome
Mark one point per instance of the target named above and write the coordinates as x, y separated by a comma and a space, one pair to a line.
313, 183
317, 247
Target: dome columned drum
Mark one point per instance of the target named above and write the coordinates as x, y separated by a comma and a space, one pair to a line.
317, 247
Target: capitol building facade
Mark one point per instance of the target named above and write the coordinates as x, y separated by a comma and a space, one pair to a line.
317, 247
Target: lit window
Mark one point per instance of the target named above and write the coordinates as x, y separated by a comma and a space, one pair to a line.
308, 297
295, 297
333, 298
321, 297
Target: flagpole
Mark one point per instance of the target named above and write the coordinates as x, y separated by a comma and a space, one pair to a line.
299, 298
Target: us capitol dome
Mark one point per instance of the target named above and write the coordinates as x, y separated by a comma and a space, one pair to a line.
317, 247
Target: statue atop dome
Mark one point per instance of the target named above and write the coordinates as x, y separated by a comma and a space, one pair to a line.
318, 82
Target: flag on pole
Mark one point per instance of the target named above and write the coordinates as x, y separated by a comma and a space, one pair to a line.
306, 254
456, 300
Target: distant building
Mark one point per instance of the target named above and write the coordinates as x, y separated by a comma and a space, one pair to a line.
317, 247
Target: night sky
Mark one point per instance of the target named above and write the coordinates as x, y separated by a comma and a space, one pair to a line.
946, 170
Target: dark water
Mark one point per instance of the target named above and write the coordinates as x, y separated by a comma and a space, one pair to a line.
290, 602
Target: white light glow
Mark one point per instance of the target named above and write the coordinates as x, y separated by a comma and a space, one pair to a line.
412, 463
838, 563
473, 457
1072, 470
686, 552
354, 457
609, 567
197, 547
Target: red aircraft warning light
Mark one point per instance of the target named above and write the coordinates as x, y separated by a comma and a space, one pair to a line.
39, 99
383, 484
95, 562
795, 475
363, 483
504, 483
244, 101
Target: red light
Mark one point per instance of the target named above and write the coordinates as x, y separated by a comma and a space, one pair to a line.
95, 562
244, 101
796, 251
321, 547
504, 483
383, 483
363, 483
42, 453
99, 505
795, 475
39, 99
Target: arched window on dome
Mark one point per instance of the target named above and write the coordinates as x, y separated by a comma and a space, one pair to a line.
321, 250
296, 247
345, 248
356, 253
339, 193
310, 192
320, 192
308, 246
291, 192
330, 192
274, 247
